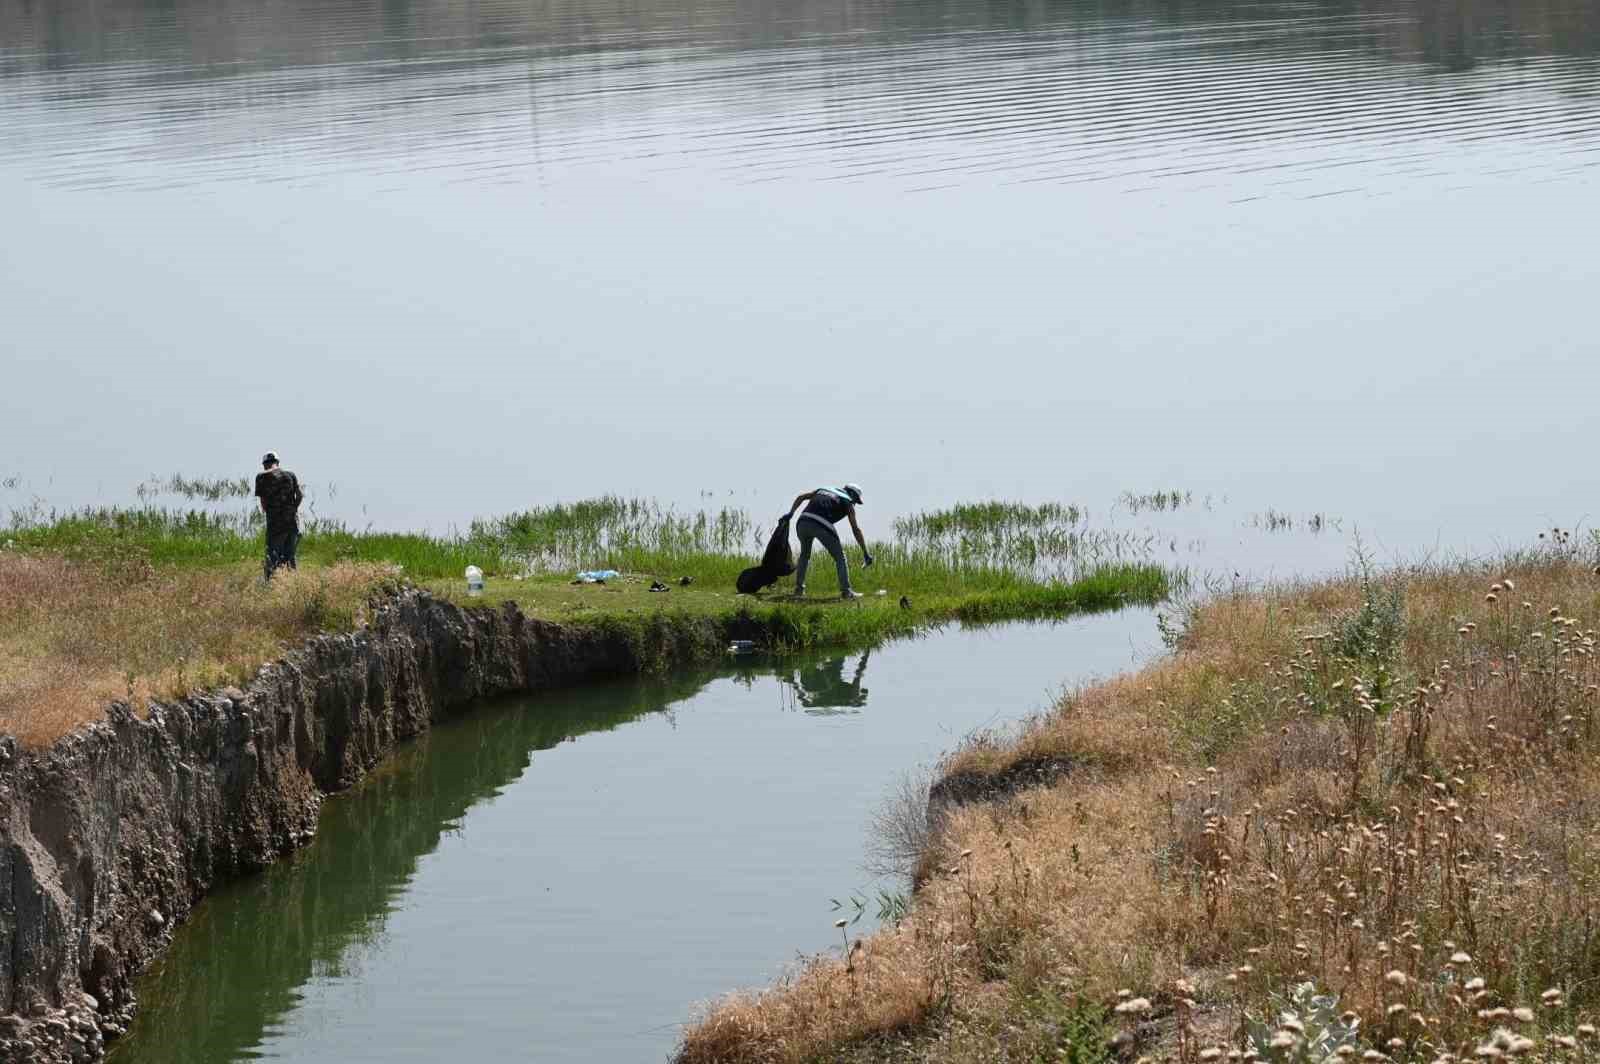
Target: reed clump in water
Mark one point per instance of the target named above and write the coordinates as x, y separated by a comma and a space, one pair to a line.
1050, 539
1379, 791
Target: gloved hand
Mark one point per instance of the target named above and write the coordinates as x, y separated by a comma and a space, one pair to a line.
866, 560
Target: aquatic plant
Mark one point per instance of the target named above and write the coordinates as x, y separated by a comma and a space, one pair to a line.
1048, 540
1159, 501
1271, 520
209, 489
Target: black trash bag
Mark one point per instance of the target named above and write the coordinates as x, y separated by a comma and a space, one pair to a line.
776, 563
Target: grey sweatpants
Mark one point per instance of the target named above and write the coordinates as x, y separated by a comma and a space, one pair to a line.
808, 531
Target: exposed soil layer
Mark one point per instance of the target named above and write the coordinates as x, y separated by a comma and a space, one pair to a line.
110, 836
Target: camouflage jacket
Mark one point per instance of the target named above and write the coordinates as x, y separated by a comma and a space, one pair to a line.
280, 495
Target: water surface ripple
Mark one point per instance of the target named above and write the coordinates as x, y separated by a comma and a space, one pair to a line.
1304, 99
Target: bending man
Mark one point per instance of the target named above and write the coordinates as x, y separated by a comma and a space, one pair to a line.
825, 507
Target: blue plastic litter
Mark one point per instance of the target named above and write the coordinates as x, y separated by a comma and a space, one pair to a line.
595, 576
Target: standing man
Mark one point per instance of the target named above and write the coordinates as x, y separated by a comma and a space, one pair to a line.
825, 507
280, 495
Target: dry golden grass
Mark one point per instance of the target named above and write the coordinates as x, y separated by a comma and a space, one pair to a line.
1401, 807
74, 635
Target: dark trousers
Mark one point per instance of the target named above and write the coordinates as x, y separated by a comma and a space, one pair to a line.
281, 547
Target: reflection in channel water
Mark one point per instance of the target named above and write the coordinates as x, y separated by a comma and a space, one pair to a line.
241, 962
562, 878
821, 687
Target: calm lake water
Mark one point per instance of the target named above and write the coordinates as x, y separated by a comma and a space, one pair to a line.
562, 879
455, 258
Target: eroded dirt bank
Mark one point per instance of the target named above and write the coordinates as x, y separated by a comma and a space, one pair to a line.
110, 836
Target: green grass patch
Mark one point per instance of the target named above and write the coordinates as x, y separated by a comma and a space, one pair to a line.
190, 570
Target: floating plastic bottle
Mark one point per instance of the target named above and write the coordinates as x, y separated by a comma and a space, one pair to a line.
474, 580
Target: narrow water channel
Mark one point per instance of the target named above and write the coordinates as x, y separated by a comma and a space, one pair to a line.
562, 878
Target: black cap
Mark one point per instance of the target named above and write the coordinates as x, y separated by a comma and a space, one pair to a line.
270, 458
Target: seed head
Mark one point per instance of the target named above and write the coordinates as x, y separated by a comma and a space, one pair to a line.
1523, 1014
1458, 957
1133, 1006
1553, 994
1395, 977
1210, 1053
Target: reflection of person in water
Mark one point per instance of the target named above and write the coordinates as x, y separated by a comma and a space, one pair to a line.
822, 688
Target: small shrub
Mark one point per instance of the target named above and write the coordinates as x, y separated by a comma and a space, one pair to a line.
1301, 1027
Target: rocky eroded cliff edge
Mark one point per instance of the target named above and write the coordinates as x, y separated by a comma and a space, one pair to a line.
110, 836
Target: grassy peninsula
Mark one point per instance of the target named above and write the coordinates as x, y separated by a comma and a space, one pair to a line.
153, 601
1349, 820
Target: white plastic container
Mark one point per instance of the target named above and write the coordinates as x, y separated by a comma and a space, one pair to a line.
474, 580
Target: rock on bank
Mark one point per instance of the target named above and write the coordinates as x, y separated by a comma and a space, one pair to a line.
110, 836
